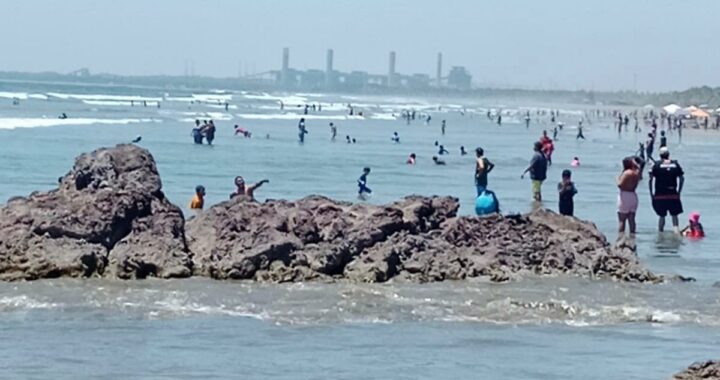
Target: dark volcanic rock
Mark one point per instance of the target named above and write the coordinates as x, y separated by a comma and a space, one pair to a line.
417, 239
709, 370
108, 216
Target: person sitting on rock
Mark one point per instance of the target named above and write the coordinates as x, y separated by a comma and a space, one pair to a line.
246, 190
198, 200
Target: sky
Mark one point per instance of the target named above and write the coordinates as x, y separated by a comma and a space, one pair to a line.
644, 45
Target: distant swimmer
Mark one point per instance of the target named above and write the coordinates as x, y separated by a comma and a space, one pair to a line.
489, 115
198, 200
580, 134
246, 190
462, 151
427, 120
436, 143
499, 119
302, 131
354, 141
362, 184
575, 162
227, 105
395, 138
333, 132
555, 133
438, 161
137, 139
442, 128
442, 150
242, 131
527, 119
63, 116
411, 159
347, 138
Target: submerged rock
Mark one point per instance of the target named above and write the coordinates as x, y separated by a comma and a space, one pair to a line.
709, 370
419, 239
108, 216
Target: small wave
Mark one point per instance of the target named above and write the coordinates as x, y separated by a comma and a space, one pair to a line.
23, 302
13, 123
296, 116
126, 98
117, 103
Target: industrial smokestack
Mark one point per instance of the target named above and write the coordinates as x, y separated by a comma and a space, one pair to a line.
391, 69
439, 70
285, 66
329, 69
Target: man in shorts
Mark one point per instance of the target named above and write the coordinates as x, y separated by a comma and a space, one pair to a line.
666, 197
538, 171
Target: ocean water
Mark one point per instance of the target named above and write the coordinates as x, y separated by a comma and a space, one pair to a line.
531, 328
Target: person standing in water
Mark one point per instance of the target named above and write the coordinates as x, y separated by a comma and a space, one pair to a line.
302, 131
649, 147
566, 192
663, 140
395, 138
499, 119
527, 119
627, 202
668, 178
483, 167
538, 171
442, 127
580, 133
333, 131
362, 184
442, 150
246, 190
462, 151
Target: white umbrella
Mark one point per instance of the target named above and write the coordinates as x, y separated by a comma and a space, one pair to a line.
672, 108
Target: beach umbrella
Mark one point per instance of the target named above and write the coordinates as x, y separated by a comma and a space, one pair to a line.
672, 108
699, 113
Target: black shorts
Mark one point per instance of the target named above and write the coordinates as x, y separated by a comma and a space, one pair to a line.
664, 206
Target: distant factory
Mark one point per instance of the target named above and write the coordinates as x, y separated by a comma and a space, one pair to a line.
330, 79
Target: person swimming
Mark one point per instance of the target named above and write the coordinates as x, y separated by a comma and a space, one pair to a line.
442, 150
137, 139
198, 200
694, 228
575, 162
242, 131
246, 190
438, 161
63, 116
362, 183
396, 138
462, 151
411, 160
347, 138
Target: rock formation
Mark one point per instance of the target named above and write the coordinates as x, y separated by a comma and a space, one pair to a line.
709, 370
107, 217
417, 239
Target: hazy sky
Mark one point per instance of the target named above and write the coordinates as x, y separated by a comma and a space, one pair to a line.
592, 44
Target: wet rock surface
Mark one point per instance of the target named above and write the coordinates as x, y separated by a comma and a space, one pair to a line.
701, 370
418, 239
108, 217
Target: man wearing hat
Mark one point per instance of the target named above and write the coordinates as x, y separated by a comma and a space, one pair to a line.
666, 195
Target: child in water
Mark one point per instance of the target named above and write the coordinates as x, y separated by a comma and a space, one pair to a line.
411, 159
566, 192
575, 162
198, 200
362, 184
694, 228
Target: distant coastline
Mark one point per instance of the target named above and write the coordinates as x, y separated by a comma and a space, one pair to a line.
700, 96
